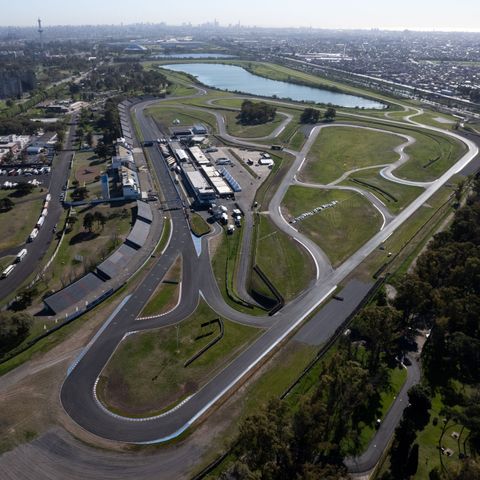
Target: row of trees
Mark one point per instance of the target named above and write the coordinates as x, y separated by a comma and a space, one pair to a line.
253, 113
313, 115
125, 77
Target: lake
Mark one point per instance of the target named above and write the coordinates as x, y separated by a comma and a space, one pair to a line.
234, 78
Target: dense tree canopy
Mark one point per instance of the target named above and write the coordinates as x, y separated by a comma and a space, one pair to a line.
256, 113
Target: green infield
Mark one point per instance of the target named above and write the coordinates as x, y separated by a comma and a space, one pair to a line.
430, 156
20, 220
166, 295
198, 225
394, 195
250, 131
180, 116
287, 265
340, 149
147, 373
339, 230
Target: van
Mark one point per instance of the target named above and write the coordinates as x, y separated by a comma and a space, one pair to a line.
7, 271
21, 255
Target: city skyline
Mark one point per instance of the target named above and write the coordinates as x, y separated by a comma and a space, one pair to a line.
345, 14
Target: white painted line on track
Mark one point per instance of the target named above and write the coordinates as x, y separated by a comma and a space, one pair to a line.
383, 216
166, 313
317, 267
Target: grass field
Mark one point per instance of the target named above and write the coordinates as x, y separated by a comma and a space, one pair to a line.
429, 455
18, 222
340, 230
86, 170
165, 297
430, 156
198, 225
374, 182
435, 119
81, 250
147, 373
340, 149
288, 266
224, 264
250, 131
187, 117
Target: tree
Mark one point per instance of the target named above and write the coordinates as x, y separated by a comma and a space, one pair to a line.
330, 114
252, 113
310, 115
100, 219
6, 204
382, 328
102, 150
412, 462
79, 194
14, 328
88, 221
24, 188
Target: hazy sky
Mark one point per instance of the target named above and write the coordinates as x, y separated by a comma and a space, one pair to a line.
388, 14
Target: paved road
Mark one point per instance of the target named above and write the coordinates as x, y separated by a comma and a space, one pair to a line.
38, 248
76, 395
77, 391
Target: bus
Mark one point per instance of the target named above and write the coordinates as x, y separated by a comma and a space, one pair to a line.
21, 255
7, 271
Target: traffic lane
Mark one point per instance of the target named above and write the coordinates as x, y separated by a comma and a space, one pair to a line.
38, 248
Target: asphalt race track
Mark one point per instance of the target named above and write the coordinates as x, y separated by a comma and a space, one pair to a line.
78, 392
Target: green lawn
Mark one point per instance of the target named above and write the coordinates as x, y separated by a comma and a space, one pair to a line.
288, 266
431, 155
147, 373
80, 250
18, 222
371, 180
198, 225
165, 297
340, 230
435, 119
224, 264
340, 149
429, 454
187, 117
250, 131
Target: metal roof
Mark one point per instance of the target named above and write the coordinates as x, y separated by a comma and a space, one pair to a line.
116, 262
139, 233
75, 293
144, 211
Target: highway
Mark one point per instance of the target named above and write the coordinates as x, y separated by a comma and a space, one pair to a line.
78, 391
38, 248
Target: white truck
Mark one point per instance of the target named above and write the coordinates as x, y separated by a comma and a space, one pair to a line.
7, 271
21, 255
